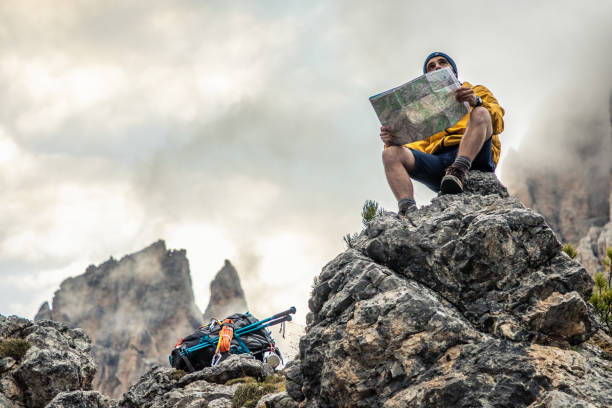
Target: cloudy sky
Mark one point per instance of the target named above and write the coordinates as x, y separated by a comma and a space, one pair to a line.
241, 130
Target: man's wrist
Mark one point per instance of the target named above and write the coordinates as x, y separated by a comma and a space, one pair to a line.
477, 101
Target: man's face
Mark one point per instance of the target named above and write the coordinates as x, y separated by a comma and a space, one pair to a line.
437, 63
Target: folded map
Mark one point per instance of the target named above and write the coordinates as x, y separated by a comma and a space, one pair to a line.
422, 107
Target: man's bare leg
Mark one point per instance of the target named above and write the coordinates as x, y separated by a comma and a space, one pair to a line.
398, 162
479, 130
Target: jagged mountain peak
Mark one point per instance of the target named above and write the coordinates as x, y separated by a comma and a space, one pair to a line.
133, 309
226, 294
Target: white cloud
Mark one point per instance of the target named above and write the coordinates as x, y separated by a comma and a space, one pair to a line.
235, 130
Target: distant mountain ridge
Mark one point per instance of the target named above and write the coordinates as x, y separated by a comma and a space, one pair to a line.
134, 310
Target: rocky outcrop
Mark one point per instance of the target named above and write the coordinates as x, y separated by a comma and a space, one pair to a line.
81, 399
210, 387
133, 310
226, 294
40, 360
56, 370
468, 303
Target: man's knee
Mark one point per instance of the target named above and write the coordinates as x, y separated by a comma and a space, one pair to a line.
480, 116
395, 154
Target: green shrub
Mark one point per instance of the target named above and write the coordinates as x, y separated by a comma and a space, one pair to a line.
249, 393
15, 348
177, 375
349, 240
246, 380
602, 292
274, 383
370, 210
570, 250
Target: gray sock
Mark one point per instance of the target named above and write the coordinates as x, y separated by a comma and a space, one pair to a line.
463, 163
406, 203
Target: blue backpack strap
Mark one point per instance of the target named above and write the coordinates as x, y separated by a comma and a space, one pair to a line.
243, 347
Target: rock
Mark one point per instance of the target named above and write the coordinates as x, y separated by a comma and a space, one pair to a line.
562, 317
464, 304
477, 182
226, 294
58, 359
294, 380
235, 366
278, 400
133, 310
162, 387
558, 399
81, 399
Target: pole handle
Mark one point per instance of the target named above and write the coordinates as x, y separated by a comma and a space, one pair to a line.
285, 313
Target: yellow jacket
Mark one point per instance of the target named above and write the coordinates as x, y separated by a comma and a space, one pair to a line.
452, 135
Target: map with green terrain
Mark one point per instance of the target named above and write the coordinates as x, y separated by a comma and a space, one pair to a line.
420, 108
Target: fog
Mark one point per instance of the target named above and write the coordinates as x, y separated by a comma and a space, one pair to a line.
243, 130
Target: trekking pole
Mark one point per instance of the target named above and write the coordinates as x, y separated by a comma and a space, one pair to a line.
276, 316
270, 321
249, 329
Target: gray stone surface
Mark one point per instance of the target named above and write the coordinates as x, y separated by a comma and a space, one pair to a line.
161, 387
468, 303
81, 399
58, 360
294, 380
279, 400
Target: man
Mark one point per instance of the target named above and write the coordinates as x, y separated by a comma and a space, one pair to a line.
442, 160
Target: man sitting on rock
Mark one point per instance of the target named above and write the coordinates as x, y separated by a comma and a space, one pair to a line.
441, 161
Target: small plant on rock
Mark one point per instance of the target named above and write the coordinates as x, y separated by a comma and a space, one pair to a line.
250, 391
14, 348
570, 250
177, 375
370, 210
602, 293
349, 239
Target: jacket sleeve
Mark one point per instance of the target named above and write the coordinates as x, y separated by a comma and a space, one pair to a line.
491, 104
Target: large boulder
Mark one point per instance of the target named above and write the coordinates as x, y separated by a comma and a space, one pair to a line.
40, 360
469, 302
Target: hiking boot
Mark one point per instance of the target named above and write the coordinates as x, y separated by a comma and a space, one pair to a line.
452, 182
403, 212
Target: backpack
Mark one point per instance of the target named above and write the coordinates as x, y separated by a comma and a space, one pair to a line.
199, 350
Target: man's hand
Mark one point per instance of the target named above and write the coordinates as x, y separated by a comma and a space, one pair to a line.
386, 136
465, 94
